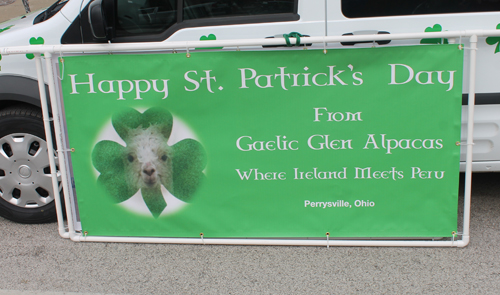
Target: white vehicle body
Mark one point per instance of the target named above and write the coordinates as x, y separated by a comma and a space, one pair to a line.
18, 85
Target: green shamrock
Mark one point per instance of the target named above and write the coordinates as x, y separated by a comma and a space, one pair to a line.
435, 28
207, 38
34, 41
6, 28
147, 161
494, 40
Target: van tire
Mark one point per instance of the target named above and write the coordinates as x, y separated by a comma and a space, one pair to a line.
26, 193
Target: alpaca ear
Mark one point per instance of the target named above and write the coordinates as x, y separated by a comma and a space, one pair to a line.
160, 117
126, 120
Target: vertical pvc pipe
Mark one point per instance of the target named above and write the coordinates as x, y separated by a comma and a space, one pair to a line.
470, 139
58, 135
326, 18
50, 146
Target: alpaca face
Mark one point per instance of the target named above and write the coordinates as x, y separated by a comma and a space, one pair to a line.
148, 159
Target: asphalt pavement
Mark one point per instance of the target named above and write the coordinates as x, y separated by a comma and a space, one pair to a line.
33, 258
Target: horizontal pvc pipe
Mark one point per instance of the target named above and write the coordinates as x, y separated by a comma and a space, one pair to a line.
109, 47
274, 242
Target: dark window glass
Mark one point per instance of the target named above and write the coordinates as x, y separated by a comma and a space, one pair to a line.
374, 8
147, 17
198, 9
143, 17
49, 12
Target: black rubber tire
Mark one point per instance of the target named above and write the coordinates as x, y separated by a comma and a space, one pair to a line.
28, 120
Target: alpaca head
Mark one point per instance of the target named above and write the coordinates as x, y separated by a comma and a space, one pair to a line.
148, 158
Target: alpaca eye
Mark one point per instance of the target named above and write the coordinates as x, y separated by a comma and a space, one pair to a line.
164, 158
130, 158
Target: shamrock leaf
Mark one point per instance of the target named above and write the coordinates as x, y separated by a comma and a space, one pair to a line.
494, 40
154, 200
208, 38
131, 119
6, 28
189, 162
147, 162
112, 168
435, 28
34, 41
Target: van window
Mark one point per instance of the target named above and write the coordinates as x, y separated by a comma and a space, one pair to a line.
49, 12
156, 20
196, 9
134, 17
370, 8
143, 17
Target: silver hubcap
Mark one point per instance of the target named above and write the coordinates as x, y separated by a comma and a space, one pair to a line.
25, 178
24, 171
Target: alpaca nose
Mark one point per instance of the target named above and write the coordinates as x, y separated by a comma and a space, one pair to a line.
149, 171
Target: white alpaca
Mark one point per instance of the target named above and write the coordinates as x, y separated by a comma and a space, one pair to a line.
148, 159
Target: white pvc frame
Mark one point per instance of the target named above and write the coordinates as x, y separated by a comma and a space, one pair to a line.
68, 230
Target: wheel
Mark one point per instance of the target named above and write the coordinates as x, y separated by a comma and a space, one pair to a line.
26, 193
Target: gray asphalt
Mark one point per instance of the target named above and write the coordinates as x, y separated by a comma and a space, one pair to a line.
35, 260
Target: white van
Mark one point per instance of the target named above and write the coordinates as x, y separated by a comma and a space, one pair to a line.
25, 185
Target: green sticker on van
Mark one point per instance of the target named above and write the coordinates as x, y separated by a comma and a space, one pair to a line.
6, 28
435, 28
494, 41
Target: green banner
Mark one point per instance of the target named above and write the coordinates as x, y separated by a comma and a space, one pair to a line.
297, 143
